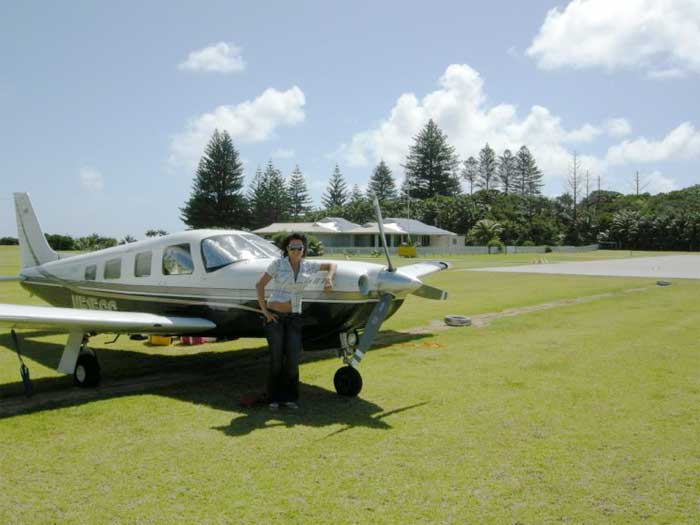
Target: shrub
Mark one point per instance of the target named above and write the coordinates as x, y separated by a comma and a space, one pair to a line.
528, 243
496, 243
8, 241
547, 249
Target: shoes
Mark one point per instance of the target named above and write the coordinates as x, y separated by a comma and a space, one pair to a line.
292, 405
274, 405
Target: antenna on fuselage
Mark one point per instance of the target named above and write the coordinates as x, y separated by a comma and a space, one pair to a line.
380, 223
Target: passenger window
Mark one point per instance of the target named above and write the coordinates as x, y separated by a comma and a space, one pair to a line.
177, 260
142, 264
91, 272
113, 269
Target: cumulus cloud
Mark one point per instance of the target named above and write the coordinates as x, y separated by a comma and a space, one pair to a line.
91, 179
656, 182
220, 58
617, 127
249, 121
681, 143
459, 108
660, 37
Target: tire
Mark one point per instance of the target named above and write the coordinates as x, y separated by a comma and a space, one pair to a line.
347, 381
457, 320
87, 371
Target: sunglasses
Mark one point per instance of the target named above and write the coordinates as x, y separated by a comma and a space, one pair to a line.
295, 248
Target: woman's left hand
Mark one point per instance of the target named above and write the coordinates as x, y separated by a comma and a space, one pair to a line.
328, 284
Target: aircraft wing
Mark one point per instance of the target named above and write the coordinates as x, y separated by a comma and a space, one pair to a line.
73, 319
423, 268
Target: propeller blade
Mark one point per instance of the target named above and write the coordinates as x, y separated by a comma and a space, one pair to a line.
430, 292
380, 223
376, 319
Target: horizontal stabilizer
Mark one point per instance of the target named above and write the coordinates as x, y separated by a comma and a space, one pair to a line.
69, 319
11, 278
430, 292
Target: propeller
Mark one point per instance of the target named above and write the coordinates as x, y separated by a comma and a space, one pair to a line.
380, 223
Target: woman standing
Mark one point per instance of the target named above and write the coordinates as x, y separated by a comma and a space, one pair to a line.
290, 274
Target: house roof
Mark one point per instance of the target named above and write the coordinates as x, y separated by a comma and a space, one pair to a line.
402, 226
330, 225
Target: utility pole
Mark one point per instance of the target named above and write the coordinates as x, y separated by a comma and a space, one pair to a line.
639, 185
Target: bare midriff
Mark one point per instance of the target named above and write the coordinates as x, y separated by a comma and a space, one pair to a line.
284, 308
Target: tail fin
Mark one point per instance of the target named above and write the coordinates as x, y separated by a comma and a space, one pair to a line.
34, 248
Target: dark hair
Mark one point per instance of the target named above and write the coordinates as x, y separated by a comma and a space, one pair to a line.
295, 236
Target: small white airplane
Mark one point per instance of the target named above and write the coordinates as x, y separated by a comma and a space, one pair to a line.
199, 282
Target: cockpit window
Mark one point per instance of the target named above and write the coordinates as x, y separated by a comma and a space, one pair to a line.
222, 250
177, 260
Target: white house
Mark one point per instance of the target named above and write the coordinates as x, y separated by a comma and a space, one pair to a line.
335, 232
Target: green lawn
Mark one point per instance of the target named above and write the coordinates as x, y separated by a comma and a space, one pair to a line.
586, 412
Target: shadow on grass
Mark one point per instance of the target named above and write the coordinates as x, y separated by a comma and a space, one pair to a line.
320, 408
220, 380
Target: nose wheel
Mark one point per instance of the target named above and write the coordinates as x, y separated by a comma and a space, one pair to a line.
347, 381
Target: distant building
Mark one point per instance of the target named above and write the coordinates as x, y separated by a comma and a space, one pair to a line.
337, 232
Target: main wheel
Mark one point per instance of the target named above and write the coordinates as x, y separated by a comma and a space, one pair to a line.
347, 381
87, 370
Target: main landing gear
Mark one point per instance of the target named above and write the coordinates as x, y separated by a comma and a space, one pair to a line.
87, 369
347, 379
79, 360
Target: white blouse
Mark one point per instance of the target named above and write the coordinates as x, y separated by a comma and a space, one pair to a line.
285, 288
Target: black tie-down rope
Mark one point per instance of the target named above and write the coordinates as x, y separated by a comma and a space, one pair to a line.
23, 370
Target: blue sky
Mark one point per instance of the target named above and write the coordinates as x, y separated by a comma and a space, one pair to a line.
105, 107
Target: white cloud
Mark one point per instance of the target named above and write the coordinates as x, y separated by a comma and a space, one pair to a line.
283, 153
661, 37
585, 133
220, 58
91, 179
459, 108
617, 127
249, 121
681, 143
656, 182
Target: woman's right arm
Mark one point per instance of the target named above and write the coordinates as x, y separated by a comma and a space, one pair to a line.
260, 287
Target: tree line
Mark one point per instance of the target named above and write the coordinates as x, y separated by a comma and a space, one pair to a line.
503, 201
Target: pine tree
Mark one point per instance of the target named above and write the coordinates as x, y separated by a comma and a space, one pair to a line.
487, 168
337, 192
268, 196
431, 165
217, 198
256, 200
506, 171
359, 207
470, 173
299, 199
528, 177
381, 184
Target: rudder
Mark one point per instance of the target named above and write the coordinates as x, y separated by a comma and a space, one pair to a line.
33, 246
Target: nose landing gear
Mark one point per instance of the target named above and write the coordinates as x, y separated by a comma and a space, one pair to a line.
347, 379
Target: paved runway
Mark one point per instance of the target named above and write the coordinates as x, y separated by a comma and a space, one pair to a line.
668, 266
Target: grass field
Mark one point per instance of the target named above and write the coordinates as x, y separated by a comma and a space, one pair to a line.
582, 412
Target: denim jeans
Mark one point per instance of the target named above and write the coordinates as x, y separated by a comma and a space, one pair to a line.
284, 340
